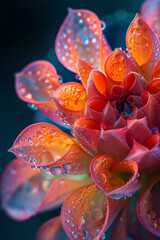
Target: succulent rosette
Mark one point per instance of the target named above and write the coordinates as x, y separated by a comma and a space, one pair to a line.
114, 147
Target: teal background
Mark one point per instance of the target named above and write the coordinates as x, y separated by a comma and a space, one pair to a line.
28, 30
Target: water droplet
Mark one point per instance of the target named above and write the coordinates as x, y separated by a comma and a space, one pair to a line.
103, 24
56, 170
33, 160
32, 106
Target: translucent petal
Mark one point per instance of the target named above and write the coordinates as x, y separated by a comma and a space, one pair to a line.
80, 37
148, 208
75, 161
35, 83
143, 45
86, 213
115, 179
151, 13
118, 65
41, 144
70, 99
156, 70
52, 230
84, 70
25, 192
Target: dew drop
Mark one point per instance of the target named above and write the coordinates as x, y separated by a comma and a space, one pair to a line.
103, 24
56, 170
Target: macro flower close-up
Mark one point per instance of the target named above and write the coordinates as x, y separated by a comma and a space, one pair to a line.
97, 152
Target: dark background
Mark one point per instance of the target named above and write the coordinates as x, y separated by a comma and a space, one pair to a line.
28, 30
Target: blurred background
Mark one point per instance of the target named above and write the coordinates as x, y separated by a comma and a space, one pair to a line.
28, 31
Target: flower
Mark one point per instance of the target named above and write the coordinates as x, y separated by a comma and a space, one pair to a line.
114, 119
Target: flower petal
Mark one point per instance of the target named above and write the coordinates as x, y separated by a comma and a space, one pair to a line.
127, 226
113, 139
146, 156
156, 70
86, 213
87, 132
149, 108
70, 99
135, 83
135, 127
143, 45
35, 83
84, 70
25, 192
118, 65
75, 161
150, 12
115, 179
79, 37
118, 92
52, 230
93, 85
41, 144
94, 108
110, 114
148, 208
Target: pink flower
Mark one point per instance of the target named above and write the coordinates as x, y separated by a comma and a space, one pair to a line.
114, 116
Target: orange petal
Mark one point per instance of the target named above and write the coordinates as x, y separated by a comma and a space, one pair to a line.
148, 208
84, 70
115, 179
35, 83
79, 37
87, 213
143, 45
118, 65
25, 192
150, 12
100, 82
52, 230
70, 99
87, 132
41, 144
75, 161
156, 70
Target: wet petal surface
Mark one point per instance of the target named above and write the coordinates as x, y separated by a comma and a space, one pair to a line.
115, 179
79, 37
25, 192
41, 144
86, 213
34, 85
70, 99
148, 208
